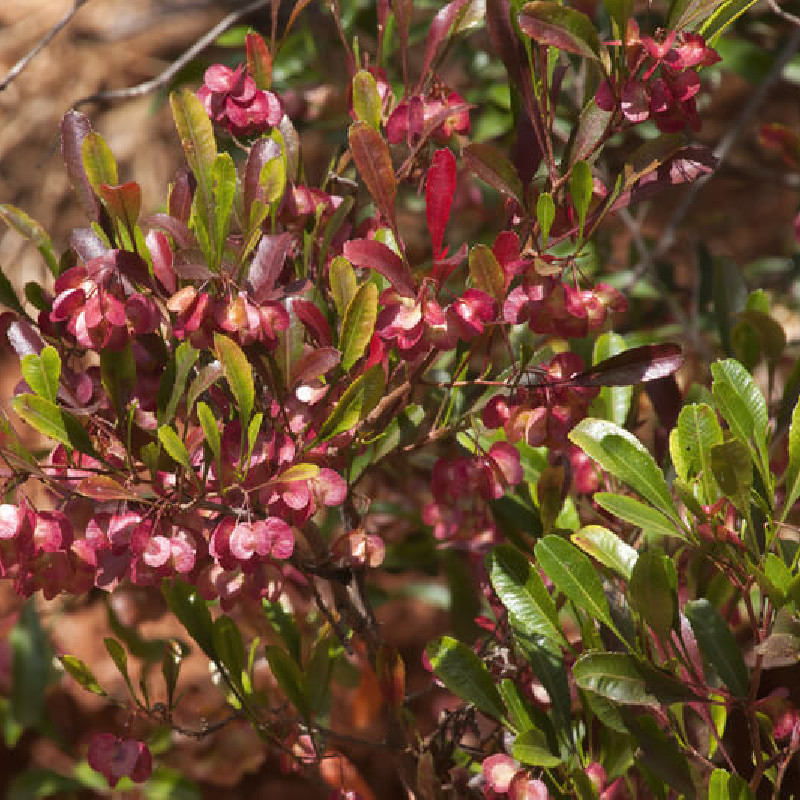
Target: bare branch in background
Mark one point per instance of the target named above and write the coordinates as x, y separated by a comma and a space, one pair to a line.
172, 70
20, 66
773, 4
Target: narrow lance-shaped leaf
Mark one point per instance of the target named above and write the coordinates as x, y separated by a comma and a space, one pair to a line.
288, 676
259, 60
42, 372
186, 603
378, 256
607, 548
367, 103
238, 373
492, 167
371, 155
210, 429
561, 27
229, 647
629, 509
81, 673
545, 215
440, 186
357, 401
718, 645
173, 390
522, 592
98, 161
75, 127
791, 477
174, 446
580, 189
33, 231
464, 674
342, 278
650, 593
358, 324
53, 422
223, 173
574, 576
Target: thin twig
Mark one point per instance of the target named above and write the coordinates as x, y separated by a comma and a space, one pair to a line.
795, 20
20, 66
169, 73
723, 149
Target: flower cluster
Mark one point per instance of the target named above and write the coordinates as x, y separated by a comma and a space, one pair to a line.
661, 81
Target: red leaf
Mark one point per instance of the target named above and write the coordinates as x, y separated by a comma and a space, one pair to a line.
267, 264
181, 194
313, 319
259, 61
174, 226
437, 33
440, 187
104, 488
371, 155
124, 201
377, 256
74, 129
314, 364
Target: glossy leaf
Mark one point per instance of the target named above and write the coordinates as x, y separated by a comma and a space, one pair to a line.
726, 786
485, 272
284, 625
229, 647
98, 161
440, 186
186, 603
494, 168
520, 589
173, 383
791, 477
210, 430
740, 401
174, 446
733, 471
718, 645
342, 278
238, 374
637, 365
42, 372
52, 421
465, 675
650, 593
371, 155
545, 214
367, 103
223, 176
357, 401
288, 676
120, 659
650, 520
698, 431
607, 548
358, 324
580, 190
378, 256
531, 748
623, 455
267, 264
259, 60
561, 27
82, 674
573, 574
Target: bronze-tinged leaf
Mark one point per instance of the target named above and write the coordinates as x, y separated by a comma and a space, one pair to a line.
371, 155
124, 201
492, 166
486, 273
259, 61
104, 488
638, 365
75, 127
376, 255
267, 264
558, 26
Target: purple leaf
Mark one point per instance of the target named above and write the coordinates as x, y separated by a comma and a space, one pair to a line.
181, 194
440, 187
74, 129
308, 313
267, 264
638, 365
262, 151
174, 226
87, 244
315, 364
377, 256
24, 338
492, 166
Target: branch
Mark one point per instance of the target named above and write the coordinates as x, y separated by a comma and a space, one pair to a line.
20, 66
173, 69
773, 4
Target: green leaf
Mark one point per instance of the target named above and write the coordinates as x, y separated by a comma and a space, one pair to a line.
223, 175
615, 401
175, 447
8, 297
623, 679
186, 603
169, 784
355, 404
620, 11
42, 372
725, 786
173, 382
197, 137
171, 668
31, 659
358, 324
342, 279
698, 431
520, 713
733, 471
287, 673
740, 402
558, 26
52, 421
229, 647
81, 673
120, 659
791, 477
629, 509
607, 548
623, 455
573, 575
118, 376
724, 16
545, 214
523, 593
465, 675
210, 429
98, 161
238, 373
485, 271
204, 380
531, 748
31, 230
650, 593
718, 645
580, 189
366, 100
285, 626
35, 783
